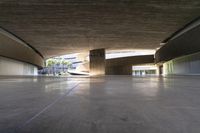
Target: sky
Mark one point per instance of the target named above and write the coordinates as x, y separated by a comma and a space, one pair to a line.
117, 54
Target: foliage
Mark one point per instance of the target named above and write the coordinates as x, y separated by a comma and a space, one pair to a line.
50, 62
54, 61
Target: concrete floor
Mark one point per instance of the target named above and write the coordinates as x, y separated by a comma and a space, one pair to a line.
109, 104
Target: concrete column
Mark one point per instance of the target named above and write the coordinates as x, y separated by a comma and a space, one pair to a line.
160, 69
97, 62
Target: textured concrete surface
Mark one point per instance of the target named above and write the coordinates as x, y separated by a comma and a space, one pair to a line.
123, 65
12, 48
130, 60
122, 104
187, 43
58, 26
97, 62
119, 70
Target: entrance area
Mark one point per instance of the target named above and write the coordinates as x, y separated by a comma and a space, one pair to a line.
144, 70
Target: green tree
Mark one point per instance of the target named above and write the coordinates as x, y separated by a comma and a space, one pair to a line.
64, 62
50, 62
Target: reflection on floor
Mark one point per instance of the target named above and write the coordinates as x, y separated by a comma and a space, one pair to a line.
111, 104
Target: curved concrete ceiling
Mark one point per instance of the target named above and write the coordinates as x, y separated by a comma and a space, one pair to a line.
12, 47
56, 27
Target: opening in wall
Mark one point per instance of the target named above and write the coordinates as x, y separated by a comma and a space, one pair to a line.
144, 70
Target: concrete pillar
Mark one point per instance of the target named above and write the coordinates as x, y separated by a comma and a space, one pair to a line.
97, 62
160, 69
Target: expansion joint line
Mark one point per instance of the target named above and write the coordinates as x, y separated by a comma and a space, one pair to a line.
47, 107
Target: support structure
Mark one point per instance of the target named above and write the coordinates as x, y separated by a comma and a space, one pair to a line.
97, 62
123, 65
180, 53
17, 57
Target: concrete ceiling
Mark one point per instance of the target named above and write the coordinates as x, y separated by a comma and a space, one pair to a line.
56, 27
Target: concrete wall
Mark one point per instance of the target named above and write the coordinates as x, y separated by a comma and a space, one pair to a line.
97, 62
180, 54
14, 48
184, 44
17, 57
119, 70
13, 67
186, 65
123, 66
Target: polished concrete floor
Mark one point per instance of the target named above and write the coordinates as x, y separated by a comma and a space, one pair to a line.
111, 104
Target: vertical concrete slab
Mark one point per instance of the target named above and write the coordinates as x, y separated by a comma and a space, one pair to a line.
97, 62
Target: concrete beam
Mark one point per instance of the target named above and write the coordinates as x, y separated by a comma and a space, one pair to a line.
123, 66
184, 43
14, 48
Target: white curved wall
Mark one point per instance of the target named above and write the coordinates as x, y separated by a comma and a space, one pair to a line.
185, 65
13, 67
